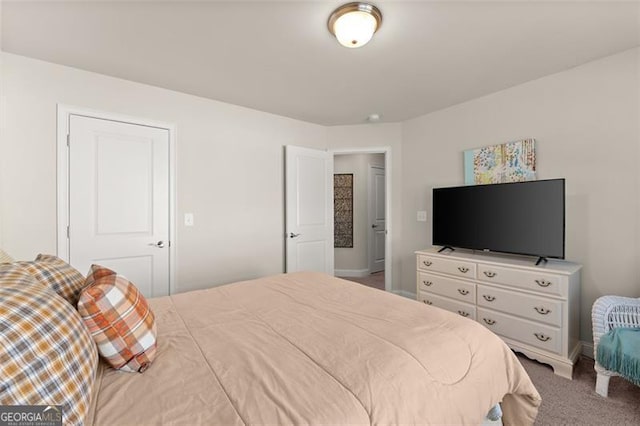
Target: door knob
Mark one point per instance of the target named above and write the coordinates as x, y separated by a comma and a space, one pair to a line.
159, 244
292, 235
374, 226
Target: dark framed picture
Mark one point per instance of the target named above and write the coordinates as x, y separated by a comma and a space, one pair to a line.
343, 210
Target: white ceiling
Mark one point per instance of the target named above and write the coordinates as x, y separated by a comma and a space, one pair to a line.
279, 57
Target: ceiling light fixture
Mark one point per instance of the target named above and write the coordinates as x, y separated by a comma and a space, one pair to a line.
353, 24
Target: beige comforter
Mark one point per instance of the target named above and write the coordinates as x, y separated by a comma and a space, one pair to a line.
307, 348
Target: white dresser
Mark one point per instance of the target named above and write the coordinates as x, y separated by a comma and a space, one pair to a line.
535, 309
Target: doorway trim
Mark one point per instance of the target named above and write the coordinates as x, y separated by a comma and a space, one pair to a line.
386, 150
64, 112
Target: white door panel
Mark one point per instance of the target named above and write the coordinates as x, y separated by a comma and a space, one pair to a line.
119, 200
309, 210
137, 269
311, 256
379, 186
115, 153
311, 181
377, 226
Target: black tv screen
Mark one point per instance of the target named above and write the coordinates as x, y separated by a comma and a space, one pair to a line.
522, 218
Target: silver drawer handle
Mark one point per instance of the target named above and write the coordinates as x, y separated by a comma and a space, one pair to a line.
489, 298
542, 337
543, 283
542, 311
427, 263
490, 274
463, 269
427, 302
427, 283
488, 321
463, 291
463, 313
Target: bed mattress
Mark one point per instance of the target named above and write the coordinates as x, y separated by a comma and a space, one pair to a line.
308, 348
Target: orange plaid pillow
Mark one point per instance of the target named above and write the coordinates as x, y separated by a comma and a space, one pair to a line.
56, 274
47, 356
119, 319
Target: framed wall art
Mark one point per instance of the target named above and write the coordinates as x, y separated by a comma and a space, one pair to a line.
343, 210
507, 162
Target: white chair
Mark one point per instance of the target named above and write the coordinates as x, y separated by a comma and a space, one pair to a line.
611, 312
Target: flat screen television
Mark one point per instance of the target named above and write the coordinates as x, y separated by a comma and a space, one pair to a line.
526, 218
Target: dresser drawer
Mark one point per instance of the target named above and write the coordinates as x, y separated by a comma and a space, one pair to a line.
447, 266
529, 332
460, 308
545, 283
539, 309
449, 287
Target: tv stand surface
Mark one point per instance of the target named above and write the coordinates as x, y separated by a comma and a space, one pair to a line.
534, 309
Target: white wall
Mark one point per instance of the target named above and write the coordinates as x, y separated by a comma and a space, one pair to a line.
356, 258
586, 123
229, 168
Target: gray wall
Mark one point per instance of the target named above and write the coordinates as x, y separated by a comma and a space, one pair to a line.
585, 120
229, 168
586, 125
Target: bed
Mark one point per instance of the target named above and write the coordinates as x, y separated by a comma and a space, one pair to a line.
308, 348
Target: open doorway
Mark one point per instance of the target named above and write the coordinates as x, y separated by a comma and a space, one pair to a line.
360, 217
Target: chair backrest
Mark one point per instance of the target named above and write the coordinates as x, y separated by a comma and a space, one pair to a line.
623, 316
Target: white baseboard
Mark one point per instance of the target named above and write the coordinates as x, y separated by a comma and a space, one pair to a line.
358, 273
404, 293
587, 349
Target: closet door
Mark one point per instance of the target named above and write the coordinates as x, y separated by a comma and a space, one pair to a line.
119, 200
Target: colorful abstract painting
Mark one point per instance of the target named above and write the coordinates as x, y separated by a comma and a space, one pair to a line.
343, 210
508, 162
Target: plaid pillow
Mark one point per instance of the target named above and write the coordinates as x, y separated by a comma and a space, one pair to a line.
119, 319
47, 356
4, 257
56, 274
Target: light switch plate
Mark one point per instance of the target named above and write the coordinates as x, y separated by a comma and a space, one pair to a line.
422, 216
188, 219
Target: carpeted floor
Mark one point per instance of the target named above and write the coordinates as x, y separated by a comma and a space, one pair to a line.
575, 402
375, 280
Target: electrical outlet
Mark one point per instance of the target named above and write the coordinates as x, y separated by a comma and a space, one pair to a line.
422, 216
188, 219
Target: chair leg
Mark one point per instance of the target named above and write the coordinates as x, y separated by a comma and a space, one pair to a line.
602, 384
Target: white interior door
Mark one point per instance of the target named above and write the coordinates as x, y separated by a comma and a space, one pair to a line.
377, 220
119, 200
309, 210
